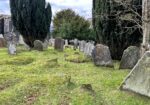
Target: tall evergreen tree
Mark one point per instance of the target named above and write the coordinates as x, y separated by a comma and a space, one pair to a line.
31, 18
115, 24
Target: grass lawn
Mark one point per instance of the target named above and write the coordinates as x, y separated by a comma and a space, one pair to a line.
47, 78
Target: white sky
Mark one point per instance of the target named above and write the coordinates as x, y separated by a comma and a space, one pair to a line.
83, 7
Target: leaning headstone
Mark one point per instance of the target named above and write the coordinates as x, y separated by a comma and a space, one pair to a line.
12, 49
101, 56
59, 44
138, 79
130, 57
38, 45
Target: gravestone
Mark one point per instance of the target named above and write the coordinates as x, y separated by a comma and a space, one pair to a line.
45, 45
38, 45
59, 44
101, 56
52, 42
66, 42
138, 79
75, 44
82, 45
130, 57
21, 41
91, 47
12, 49
87, 48
11, 37
8, 26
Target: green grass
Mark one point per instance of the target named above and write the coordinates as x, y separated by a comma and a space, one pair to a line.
47, 78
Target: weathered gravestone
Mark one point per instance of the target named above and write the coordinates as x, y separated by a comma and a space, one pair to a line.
38, 45
11, 37
45, 45
75, 44
130, 57
82, 45
12, 49
101, 56
8, 26
59, 44
21, 41
138, 79
88, 49
52, 42
91, 47
66, 42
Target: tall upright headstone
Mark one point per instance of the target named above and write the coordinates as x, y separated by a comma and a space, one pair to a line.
82, 45
59, 44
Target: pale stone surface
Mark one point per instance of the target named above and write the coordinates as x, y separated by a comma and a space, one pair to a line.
12, 49
101, 56
138, 79
130, 57
21, 41
45, 45
66, 42
52, 42
82, 45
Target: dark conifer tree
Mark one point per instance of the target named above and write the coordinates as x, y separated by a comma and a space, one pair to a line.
31, 18
115, 24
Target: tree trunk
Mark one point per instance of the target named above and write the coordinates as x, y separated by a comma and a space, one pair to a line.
146, 24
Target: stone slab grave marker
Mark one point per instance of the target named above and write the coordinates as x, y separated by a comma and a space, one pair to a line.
130, 57
38, 45
59, 44
12, 49
82, 45
66, 42
75, 44
52, 42
101, 56
45, 45
138, 79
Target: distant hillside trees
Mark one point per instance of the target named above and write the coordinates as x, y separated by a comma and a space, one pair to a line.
117, 23
69, 25
31, 18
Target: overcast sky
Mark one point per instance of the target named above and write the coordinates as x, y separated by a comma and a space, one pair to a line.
82, 7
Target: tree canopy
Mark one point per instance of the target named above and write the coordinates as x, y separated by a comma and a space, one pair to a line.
68, 24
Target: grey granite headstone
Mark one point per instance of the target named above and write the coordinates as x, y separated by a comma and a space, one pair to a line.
101, 56
130, 57
38, 45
